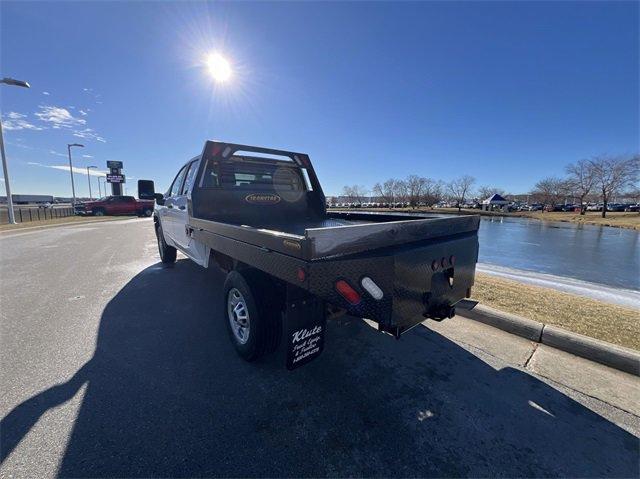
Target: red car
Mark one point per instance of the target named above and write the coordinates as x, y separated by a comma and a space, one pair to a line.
116, 205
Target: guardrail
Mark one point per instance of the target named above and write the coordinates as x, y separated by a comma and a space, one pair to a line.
26, 214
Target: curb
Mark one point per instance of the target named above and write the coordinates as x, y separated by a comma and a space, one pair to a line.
611, 355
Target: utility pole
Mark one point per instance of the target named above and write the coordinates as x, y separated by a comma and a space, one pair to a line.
89, 180
5, 167
73, 187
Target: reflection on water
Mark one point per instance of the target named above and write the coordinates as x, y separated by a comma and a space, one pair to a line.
596, 254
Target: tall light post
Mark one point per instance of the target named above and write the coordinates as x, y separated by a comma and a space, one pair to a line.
5, 168
99, 190
89, 180
105, 185
73, 187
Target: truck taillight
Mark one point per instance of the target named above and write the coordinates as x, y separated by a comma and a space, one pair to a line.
372, 288
347, 292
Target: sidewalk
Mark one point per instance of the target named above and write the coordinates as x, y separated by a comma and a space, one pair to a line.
610, 386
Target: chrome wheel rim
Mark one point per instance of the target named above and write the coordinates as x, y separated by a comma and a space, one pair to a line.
238, 315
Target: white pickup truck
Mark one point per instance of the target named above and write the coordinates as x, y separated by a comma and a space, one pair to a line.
260, 215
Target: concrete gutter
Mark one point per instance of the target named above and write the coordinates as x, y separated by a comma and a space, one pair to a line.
611, 355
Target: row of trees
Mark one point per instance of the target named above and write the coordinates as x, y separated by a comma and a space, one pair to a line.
599, 179
416, 190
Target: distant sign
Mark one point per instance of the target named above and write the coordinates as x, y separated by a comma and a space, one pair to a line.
117, 165
115, 179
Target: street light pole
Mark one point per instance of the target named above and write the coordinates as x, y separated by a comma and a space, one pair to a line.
5, 167
99, 190
89, 180
73, 187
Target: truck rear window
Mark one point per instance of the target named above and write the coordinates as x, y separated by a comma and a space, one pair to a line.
253, 176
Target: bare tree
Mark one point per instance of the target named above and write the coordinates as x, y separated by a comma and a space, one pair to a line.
385, 190
415, 189
400, 191
581, 181
355, 193
549, 191
460, 189
613, 174
433, 192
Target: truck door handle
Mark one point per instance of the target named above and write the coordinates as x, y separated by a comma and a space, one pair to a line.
182, 207
169, 206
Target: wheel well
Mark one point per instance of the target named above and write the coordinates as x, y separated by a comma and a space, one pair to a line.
224, 262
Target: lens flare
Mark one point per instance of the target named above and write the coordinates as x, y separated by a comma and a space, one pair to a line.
219, 67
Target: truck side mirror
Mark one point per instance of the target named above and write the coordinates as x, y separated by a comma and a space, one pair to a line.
159, 197
146, 190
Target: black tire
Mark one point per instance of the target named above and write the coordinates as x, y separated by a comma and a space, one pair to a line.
98, 212
147, 212
263, 311
167, 253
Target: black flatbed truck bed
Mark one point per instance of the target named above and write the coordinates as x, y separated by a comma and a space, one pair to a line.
396, 269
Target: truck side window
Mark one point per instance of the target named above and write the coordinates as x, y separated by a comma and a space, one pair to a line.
191, 175
177, 183
210, 178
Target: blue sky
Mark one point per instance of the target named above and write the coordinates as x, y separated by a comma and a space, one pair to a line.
508, 92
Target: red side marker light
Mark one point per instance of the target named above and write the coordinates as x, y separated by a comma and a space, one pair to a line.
301, 275
347, 292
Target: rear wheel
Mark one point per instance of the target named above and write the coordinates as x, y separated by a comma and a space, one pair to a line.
253, 318
147, 212
167, 253
98, 212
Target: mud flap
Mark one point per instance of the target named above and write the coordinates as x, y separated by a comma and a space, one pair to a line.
305, 323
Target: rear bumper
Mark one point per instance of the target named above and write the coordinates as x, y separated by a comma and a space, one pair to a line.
417, 281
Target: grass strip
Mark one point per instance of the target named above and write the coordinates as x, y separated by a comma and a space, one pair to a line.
597, 319
59, 221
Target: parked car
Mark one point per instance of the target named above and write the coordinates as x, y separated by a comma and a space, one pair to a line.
115, 205
629, 208
616, 207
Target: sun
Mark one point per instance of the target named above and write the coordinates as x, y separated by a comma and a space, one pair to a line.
219, 67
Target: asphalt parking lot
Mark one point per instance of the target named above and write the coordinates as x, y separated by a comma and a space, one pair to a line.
114, 365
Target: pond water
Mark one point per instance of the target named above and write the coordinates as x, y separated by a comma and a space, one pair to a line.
560, 252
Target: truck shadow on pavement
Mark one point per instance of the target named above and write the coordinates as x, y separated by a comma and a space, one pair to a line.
167, 396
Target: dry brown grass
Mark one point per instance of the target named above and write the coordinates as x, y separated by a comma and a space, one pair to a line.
596, 319
620, 220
